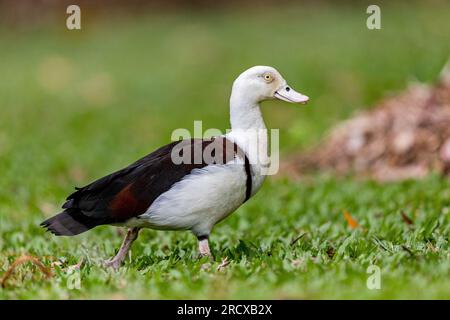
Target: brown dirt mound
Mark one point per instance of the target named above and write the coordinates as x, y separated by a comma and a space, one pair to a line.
405, 136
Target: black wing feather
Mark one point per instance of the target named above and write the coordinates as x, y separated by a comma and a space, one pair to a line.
126, 193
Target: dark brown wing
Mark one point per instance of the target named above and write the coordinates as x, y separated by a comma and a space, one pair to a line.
129, 192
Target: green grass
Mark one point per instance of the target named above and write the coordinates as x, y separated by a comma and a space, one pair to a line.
122, 85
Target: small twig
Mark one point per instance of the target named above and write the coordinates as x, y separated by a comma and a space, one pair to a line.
76, 266
223, 264
298, 238
406, 218
46, 271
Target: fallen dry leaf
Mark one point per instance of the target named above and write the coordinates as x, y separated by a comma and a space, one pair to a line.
406, 219
352, 223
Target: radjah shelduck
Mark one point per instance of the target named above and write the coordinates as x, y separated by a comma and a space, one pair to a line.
186, 185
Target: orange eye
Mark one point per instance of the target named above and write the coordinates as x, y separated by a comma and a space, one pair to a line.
268, 77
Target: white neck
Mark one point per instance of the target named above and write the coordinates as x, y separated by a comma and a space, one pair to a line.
249, 132
245, 113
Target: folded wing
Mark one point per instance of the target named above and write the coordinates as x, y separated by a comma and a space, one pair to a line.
129, 192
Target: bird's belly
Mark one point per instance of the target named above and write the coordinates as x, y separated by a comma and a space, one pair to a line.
198, 201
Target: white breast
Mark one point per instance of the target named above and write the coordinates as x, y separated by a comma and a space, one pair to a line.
199, 200
254, 144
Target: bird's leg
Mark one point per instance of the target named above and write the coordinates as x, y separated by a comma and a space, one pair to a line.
203, 246
115, 262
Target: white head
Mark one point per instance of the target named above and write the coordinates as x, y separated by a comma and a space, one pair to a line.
261, 83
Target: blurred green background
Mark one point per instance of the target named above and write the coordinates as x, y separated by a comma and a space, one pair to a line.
75, 105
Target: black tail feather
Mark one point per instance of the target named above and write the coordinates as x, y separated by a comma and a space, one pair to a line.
70, 222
